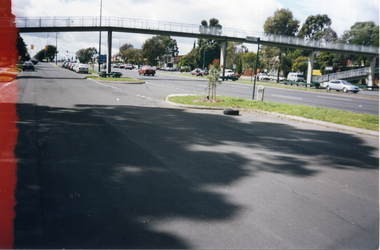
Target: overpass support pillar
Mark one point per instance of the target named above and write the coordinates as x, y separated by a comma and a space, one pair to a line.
223, 54
310, 67
371, 76
109, 51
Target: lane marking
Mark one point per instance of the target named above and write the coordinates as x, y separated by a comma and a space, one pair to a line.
334, 98
288, 97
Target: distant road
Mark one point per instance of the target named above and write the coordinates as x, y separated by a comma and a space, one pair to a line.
358, 103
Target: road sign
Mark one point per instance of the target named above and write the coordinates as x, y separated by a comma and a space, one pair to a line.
329, 68
102, 58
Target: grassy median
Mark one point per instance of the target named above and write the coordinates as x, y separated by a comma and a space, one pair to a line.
358, 120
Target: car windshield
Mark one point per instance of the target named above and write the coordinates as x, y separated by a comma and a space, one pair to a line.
346, 83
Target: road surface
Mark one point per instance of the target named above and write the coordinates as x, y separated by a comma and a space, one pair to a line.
108, 165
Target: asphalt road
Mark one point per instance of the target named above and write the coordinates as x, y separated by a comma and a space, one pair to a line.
108, 165
359, 103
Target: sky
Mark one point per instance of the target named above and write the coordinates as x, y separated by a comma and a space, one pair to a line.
249, 15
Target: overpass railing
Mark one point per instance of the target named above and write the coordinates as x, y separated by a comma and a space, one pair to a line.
344, 75
34, 22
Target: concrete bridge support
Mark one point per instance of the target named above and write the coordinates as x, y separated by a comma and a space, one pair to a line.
109, 50
223, 54
310, 67
371, 76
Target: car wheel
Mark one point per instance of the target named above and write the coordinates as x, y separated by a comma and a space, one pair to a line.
328, 88
345, 90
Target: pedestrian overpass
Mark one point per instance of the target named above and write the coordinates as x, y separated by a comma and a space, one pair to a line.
354, 74
129, 25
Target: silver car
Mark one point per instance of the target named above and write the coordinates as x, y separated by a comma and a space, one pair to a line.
341, 85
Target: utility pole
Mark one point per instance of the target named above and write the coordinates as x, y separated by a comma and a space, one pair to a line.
100, 35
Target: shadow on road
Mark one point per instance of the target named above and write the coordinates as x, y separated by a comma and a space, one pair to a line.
99, 176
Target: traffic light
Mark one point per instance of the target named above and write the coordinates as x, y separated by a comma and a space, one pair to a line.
32, 46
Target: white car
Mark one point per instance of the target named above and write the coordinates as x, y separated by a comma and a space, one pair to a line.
295, 77
341, 85
274, 78
81, 68
128, 66
228, 72
262, 76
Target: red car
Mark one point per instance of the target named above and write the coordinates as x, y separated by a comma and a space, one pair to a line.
196, 72
146, 70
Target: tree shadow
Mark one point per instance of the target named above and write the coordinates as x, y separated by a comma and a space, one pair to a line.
97, 176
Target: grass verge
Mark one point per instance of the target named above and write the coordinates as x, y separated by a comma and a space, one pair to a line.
358, 120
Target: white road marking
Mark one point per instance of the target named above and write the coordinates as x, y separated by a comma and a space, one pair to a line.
334, 98
288, 97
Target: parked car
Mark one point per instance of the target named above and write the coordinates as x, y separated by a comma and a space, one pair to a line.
27, 66
341, 85
228, 72
204, 72
129, 66
71, 66
295, 77
81, 68
274, 78
34, 61
262, 76
146, 70
196, 72
116, 65
122, 66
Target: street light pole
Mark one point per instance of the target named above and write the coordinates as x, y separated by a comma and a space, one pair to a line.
100, 35
56, 48
257, 61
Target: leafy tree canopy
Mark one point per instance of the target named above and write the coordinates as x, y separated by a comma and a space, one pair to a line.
85, 55
366, 33
153, 49
47, 53
282, 23
318, 27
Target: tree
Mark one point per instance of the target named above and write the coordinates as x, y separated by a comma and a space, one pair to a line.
300, 64
85, 55
363, 33
132, 55
270, 57
153, 49
213, 78
123, 51
21, 47
209, 49
171, 48
214, 28
282, 23
191, 57
47, 53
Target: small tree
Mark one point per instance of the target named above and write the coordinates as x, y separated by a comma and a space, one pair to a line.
213, 77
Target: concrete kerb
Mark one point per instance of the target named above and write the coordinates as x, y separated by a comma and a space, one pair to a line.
289, 117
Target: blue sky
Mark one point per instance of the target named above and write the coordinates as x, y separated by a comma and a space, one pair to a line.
247, 15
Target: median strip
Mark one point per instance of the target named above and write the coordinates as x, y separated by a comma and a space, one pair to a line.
345, 120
